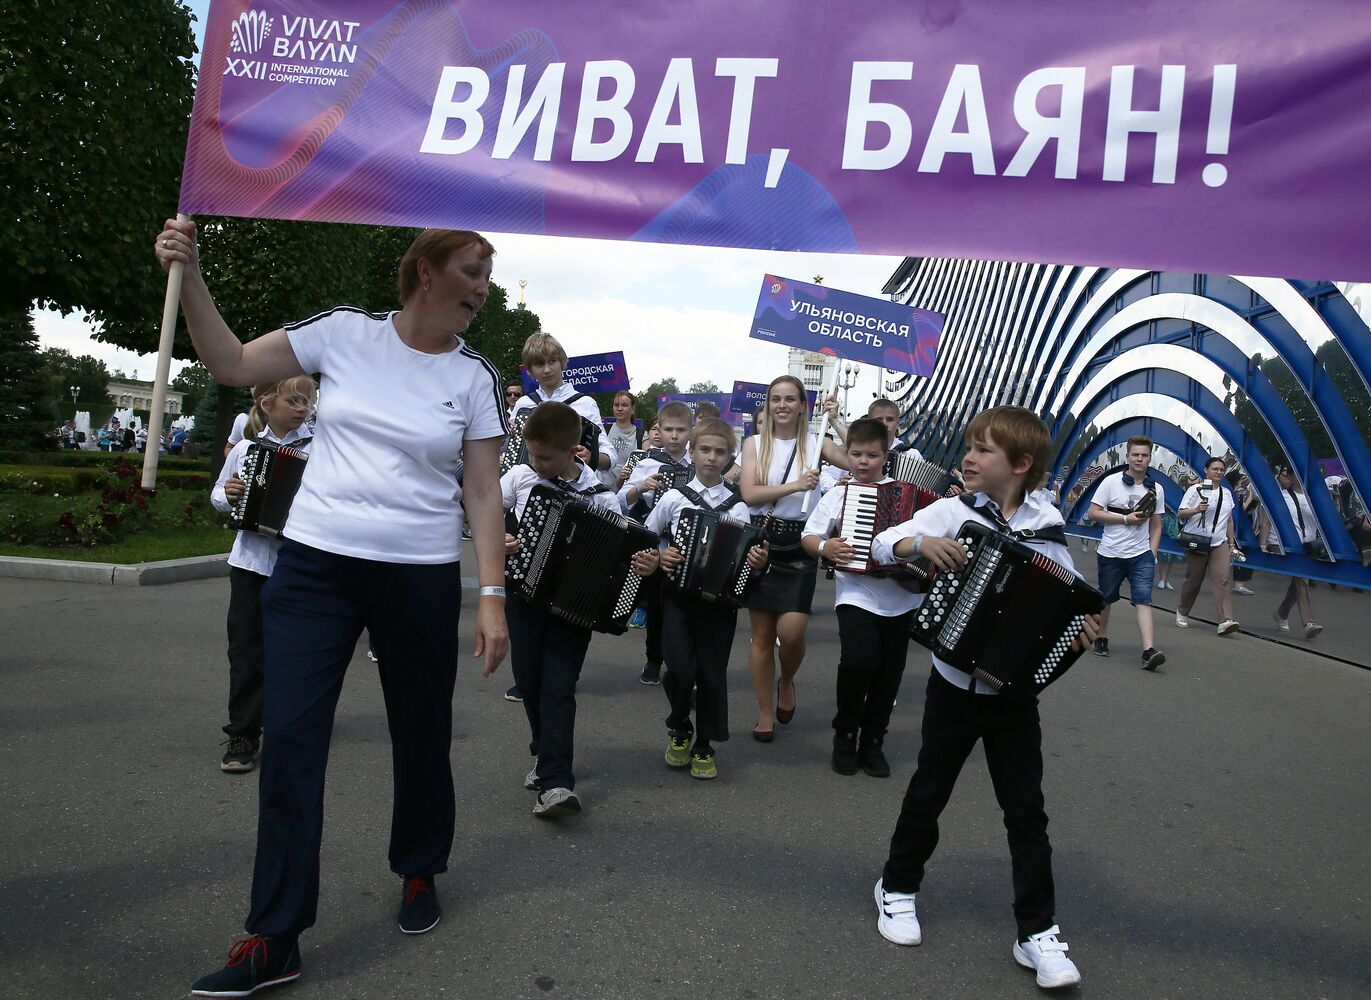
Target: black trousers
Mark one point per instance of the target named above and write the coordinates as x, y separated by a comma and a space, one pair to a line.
869, 669
547, 654
314, 608
245, 653
953, 721
650, 598
697, 637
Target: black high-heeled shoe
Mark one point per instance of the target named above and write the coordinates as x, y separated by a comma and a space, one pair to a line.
763, 735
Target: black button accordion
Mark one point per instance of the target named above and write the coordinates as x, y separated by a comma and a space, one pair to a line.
907, 467
870, 508
515, 451
1008, 617
573, 560
271, 475
715, 547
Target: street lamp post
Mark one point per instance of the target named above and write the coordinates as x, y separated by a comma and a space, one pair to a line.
847, 380
75, 391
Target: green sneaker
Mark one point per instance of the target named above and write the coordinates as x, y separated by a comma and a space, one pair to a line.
702, 766
678, 751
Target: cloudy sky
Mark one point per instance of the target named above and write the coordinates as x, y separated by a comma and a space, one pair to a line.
673, 311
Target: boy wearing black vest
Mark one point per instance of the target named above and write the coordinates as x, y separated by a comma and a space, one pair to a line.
697, 634
1008, 451
546, 652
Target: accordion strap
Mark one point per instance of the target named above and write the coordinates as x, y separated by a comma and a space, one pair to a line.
700, 501
1051, 533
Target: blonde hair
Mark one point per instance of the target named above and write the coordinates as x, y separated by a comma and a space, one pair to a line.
766, 430
435, 246
297, 385
540, 347
713, 427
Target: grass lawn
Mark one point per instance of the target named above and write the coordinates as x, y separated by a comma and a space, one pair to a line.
143, 547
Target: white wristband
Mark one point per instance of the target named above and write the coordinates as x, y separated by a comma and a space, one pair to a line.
492, 591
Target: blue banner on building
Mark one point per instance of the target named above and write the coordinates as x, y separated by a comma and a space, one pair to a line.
872, 331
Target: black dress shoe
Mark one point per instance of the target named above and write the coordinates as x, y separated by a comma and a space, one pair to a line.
784, 715
845, 753
763, 735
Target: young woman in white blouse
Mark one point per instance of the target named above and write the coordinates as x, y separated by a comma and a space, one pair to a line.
1297, 591
1207, 511
780, 470
373, 541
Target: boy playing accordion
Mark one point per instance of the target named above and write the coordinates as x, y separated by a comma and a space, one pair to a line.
1008, 450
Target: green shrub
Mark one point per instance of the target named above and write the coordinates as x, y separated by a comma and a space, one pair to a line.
99, 459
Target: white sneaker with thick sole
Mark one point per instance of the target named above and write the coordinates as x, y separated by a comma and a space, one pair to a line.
895, 917
1046, 956
1182, 621
1312, 630
557, 802
1244, 591
531, 779
1281, 623
1227, 627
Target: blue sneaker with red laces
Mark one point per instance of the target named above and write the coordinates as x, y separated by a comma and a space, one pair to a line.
253, 963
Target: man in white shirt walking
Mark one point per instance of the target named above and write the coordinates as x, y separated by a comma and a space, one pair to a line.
1128, 546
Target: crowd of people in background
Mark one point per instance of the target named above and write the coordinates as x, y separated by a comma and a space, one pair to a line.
111, 436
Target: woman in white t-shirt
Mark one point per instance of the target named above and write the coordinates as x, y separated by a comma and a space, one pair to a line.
1206, 510
1302, 513
373, 541
780, 471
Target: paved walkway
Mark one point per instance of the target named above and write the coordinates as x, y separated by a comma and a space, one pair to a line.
1210, 824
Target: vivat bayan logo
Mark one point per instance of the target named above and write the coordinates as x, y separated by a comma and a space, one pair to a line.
250, 31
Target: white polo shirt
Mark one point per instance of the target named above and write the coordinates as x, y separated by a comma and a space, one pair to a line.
646, 468
518, 483
878, 595
943, 519
381, 482
1301, 513
585, 406
251, 551
1124, 541
667, 514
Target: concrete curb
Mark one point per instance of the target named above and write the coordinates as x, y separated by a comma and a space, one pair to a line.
118, 574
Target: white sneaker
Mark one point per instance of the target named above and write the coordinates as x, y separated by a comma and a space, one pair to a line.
1244, 591
1312, 630
1228, 627
1044, 954
557, 802
531, 779
1281, 623
1182, 621
895, 917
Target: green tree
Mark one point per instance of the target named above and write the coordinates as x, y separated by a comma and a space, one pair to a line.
703, 387
93, 112
64, 370
646, 406
24, 417
193, 382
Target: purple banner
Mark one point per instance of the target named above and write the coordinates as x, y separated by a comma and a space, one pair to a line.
694, 399
852, 327
1230, 136
589, 373
748, 396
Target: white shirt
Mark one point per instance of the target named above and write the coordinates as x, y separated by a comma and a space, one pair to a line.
518, 483
381, 482
1301, 513
1214, 521
1124, 541
792, 505
878, 595
646, 468
667, 514
239, 428
251, 551
942, 519
585, 406
829, 477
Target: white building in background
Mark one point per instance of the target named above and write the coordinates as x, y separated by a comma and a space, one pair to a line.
815, 371
137, 395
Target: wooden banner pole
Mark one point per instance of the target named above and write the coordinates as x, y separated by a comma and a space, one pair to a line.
170, 306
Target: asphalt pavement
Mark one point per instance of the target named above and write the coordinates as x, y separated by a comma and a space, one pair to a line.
1210, 825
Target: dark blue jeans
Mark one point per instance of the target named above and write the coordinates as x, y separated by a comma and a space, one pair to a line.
314, 608
1138, 571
